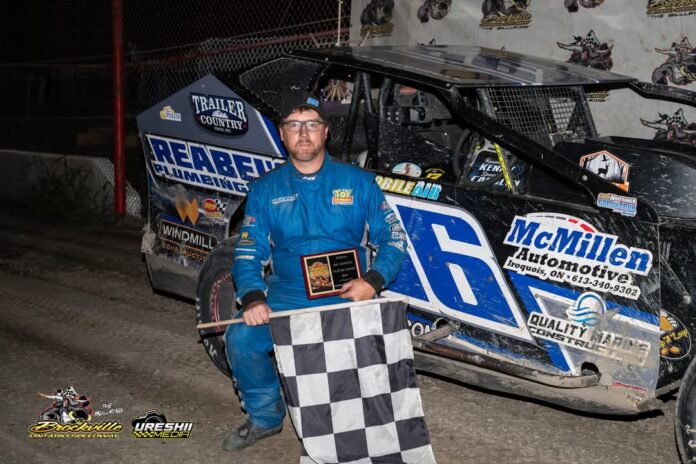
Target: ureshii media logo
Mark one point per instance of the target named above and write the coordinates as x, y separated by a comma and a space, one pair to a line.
566, 249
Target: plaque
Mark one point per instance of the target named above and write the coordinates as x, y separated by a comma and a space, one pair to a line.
325, 273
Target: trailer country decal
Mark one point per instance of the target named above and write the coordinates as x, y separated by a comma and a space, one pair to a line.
223, 115
565, 249
626, 206
207, 166
418, 189
599, 342
185, 241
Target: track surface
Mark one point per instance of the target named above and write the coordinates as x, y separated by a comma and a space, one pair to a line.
76, 309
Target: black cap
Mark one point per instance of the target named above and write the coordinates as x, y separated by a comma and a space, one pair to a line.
300, 99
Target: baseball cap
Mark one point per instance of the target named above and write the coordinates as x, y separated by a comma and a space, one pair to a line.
300, 99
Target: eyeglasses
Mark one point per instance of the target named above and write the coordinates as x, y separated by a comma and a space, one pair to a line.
312, 125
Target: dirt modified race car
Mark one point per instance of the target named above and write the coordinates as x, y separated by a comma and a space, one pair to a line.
543, 260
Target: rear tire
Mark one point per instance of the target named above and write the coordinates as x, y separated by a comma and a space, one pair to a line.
685, 417
216, 301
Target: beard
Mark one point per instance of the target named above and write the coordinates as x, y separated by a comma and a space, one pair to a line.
307, 152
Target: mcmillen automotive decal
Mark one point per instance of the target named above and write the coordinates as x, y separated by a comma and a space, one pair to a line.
223, 115
217, 168
566, 249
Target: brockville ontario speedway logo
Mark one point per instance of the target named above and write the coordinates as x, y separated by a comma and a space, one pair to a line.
154, 424
69, 416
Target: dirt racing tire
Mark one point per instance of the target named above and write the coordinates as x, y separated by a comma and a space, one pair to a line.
685, 417
216, 301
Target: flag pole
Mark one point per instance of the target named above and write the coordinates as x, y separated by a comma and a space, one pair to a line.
292, 312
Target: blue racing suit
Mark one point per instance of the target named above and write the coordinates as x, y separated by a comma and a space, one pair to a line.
288, 215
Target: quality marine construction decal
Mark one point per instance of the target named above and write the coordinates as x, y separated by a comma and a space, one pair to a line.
566, 249
70, 416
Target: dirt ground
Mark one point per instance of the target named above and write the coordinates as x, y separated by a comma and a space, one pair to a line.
76, 309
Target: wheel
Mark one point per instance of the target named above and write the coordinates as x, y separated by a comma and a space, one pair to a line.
685, 417
216, 301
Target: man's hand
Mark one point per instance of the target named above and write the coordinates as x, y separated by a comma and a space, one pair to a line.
256, 313
357, 290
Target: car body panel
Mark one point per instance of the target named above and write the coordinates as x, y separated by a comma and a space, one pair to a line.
572, 277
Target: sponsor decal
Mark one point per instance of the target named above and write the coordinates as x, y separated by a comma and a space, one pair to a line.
660, 8
246, 257
675, 339
420, 326
599, 96
376, 18
634, 393
70, 416
566, 249
584, 338
434, 173
187, 210
418, 189
607, 166
285, 199
673, 128
398, 245
626, 206
154, 424
168, 114
679, 66
589, 51
185, 241
510, 14
246, 240
206, 166
573, 5
342, 197
248, 221
222, 115
214, 208
588, 309
436, 9
407, 169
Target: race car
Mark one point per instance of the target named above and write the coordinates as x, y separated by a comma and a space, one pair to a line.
543, 260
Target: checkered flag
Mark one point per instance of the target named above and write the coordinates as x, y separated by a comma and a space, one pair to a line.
350, 384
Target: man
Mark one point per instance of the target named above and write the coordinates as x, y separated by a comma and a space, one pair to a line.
311, 204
